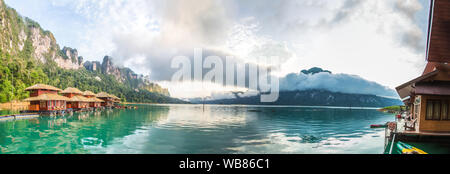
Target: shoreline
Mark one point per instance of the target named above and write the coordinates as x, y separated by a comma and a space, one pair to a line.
132, 103
20, 105
393, 109
266, 106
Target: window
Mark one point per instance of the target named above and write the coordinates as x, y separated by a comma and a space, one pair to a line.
43, 104
437, 110
430, 110
445, 114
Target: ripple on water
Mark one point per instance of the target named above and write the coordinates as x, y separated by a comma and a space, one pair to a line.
187, 129
91, 142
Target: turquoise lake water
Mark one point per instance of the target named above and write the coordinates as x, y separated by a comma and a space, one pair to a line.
194, 129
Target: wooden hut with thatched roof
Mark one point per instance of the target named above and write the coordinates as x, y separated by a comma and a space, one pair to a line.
107, 98
76, 98
39, 89
94, 102
45, 98
115, 98
70, 92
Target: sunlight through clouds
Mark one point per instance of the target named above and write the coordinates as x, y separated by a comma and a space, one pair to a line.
371, 39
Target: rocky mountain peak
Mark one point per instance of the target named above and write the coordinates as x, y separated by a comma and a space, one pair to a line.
315, 70
93, 65
23, 36
125, 75
70, 53
26, 42
80, 60
108, 66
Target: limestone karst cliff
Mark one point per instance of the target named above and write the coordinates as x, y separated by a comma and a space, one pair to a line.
32, 55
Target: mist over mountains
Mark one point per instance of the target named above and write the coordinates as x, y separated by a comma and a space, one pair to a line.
317, 87
313, 97
317, 78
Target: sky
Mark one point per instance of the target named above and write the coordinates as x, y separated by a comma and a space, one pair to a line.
382, 41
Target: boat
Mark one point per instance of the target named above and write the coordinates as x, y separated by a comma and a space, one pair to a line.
402, 148
378, 126
408, 149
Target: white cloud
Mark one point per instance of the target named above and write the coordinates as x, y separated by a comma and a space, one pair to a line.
344, 83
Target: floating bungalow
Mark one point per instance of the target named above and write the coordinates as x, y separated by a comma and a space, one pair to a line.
45, 98
115, 99
76, 99
107, 98
427, 97
94, 102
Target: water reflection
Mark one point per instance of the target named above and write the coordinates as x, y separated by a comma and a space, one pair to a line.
239, 129
197, 129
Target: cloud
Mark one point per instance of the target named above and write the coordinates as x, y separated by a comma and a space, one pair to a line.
413, 37
203, 23
344, 83
347, 9
381, 40
182, 32
408, 7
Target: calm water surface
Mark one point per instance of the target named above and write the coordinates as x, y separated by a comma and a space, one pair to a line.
155, 129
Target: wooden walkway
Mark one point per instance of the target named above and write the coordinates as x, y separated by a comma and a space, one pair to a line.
19, 116
402, 134
402, 131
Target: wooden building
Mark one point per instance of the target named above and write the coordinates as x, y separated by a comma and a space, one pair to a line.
438, 33
428, 96
45, 98
94, 102
108, 100
40, 89
76, 99
115, 98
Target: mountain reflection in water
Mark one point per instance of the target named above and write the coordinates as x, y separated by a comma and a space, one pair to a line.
190, 129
